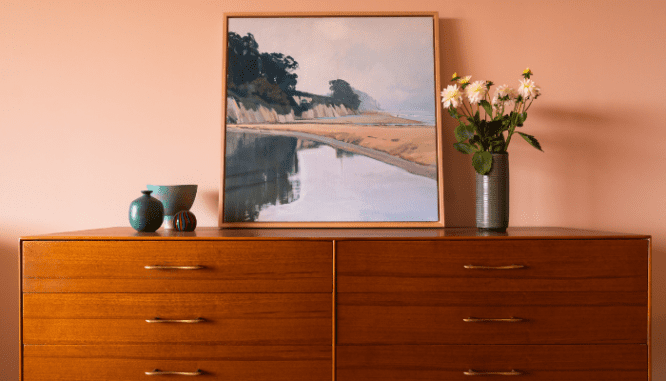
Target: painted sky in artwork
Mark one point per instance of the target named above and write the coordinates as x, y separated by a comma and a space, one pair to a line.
389, 58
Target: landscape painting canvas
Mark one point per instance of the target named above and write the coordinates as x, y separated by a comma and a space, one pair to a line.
331, 121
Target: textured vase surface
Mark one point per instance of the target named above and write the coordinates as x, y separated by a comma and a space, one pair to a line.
146, 213
492, 195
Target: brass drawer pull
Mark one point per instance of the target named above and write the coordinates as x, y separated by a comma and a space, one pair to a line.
188, 321
508, 267
475, 373
158, 372
482, 320
162, 267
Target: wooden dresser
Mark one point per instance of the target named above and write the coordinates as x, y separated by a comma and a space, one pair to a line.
339, 304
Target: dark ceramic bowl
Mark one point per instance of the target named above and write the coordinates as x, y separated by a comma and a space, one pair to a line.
174, 198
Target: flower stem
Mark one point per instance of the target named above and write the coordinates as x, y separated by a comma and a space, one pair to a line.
508, 138
528, 106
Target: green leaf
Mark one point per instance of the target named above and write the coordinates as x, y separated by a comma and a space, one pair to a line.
520, 119
486, 106
481, 129
482, 162
463, 132
475, 139
497, 144
494, 127
532, 140
453, 112
464, 148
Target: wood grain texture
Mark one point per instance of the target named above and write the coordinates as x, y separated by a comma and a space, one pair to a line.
74, 369
437, 318
537, 362
217, 234
114, 266
234, 319
550, 265
184, 352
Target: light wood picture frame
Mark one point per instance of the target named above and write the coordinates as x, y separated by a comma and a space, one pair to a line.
331, 120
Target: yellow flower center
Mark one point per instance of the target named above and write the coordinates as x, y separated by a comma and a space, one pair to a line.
454, 75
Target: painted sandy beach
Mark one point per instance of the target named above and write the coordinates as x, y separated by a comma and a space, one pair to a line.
404, 143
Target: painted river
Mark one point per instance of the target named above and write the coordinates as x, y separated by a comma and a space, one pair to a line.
284, 179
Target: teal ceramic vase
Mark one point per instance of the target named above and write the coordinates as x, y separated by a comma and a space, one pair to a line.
146, 213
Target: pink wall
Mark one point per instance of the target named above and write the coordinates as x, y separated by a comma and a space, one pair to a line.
96, 98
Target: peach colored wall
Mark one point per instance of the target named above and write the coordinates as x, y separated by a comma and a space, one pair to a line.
98, 98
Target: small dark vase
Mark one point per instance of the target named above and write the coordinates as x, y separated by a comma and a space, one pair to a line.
146, 213
492, 196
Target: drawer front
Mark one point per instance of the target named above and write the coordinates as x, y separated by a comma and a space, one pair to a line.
492, 265
131, 362
492, 318
224, 266
531, 362
230, 319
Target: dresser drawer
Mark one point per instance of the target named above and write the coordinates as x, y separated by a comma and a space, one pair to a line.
230, 319
532, 362
492, 265
229, 266
492, 318
131, 362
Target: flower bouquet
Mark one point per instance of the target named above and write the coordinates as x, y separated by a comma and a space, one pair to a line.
484, 135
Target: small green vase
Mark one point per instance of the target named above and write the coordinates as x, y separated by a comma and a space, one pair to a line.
146, 213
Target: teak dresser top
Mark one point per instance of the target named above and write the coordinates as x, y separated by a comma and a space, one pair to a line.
214, 233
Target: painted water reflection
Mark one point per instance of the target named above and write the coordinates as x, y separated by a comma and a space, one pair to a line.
268, 179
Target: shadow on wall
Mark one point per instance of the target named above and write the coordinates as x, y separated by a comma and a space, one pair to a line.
210, 200
588, 158
9, 313
459, 180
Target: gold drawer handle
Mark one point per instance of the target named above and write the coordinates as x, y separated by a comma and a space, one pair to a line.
482, 320
475, 373
508, 267
162, 267
158, 372
188, 321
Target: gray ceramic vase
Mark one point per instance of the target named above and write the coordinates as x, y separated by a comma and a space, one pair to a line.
146, 213
492, 195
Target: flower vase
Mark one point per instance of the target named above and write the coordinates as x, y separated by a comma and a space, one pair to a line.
492, 195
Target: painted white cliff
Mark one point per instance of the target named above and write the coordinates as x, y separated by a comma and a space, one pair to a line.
238, 113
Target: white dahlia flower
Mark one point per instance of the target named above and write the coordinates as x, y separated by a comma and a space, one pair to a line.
451, 96
528, 89
508, 96
476, 91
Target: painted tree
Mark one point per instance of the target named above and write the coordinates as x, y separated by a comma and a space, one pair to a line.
344, 93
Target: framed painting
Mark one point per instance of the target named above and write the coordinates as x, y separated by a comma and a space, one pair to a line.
331, 120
